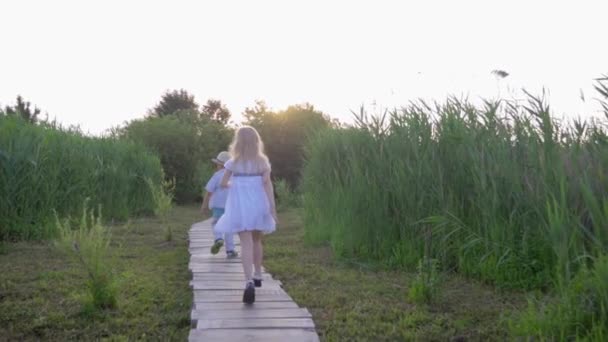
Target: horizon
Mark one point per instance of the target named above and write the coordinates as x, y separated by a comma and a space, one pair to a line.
100, 65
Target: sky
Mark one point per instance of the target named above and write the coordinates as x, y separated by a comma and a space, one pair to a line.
98, 64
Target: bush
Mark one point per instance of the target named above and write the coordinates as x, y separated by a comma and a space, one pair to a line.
89, 244
185, 143
425, 287
286, 198
163, 199
581, 313
285, 133
45, 168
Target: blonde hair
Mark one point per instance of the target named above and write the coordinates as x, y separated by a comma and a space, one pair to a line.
247, 148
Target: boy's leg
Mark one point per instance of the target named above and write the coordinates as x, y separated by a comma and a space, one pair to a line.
217, 237
229, 238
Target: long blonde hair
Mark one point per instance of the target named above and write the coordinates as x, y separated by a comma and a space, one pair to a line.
248, 148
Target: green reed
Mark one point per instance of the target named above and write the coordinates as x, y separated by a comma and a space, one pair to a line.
45, 168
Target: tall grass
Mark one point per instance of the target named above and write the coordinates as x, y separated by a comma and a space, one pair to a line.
45, 168
503, 192
89, 244
163, 195
509, 194
286, 197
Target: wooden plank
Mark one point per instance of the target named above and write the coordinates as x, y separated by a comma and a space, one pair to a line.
218, 258
238, 298
261, 323
206, 257
226, 276
250, 313
241, 305
229, 285
219, 313
216, 267
253, 335
262, 291
224, 263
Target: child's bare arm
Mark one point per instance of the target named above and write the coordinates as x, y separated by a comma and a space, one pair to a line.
226, 179
269, 188
205, 205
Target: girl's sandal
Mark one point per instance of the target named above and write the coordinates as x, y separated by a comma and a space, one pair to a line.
257, 282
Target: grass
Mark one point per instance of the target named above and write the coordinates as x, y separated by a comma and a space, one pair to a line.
45, 169
503, 192
89, 244
42, 292
353, 301
163, 195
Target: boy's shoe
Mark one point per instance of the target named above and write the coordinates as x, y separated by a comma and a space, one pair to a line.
249, 293
232, 255
216, 246
257, 282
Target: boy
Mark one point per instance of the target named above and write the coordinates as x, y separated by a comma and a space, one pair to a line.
215, 199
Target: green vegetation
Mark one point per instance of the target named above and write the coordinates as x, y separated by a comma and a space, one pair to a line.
284, 133
510, 196
163, 200
354, 301
89, 244
22, 109
42, 292
185, 142
44, 168
286, 198
425, 287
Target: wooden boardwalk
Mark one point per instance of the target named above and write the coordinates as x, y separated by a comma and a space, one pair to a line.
218, 312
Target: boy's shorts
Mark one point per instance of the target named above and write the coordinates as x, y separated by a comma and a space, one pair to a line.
217, 213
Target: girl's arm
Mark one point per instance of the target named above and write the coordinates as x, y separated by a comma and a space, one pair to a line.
226, 179
270, 194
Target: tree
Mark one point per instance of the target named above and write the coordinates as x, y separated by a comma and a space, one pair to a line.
216, 111
173, 101
185, 143
22, 109
255, 116
285, 133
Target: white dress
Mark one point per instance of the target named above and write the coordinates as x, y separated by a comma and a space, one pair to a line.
247, 206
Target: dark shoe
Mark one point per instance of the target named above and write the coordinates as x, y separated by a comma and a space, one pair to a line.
232, 255
216, 246
257, 282
249, 294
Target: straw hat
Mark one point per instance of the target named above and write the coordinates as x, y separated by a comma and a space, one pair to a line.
221, 158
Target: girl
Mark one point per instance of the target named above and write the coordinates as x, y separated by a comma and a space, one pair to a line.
250, 208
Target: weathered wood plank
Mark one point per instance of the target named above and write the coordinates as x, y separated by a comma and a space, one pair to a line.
229, 285
226, 276
219, 313
251, 313
254, 335
243, 306
261, 323
216, 259
259, 291
238, 298
217, 267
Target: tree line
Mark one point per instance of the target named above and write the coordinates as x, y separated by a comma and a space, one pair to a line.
186, 135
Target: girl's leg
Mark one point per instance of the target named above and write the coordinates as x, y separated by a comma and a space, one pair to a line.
258, 252
246, 253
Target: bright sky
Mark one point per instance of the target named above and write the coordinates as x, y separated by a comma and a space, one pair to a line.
100, 63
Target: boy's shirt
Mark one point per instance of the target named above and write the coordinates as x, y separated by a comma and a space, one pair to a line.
219, 196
